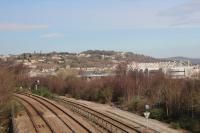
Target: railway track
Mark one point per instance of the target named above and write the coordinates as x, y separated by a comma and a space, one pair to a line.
53, 117
39, 123
103, 120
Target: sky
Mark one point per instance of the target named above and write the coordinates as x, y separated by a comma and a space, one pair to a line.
158, 28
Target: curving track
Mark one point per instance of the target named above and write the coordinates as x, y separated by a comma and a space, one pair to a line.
57, 118
107, 122
47, 116
38, 122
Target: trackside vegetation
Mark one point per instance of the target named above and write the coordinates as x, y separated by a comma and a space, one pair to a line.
174, 101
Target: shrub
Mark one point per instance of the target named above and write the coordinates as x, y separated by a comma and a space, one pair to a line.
43, 91
105, 95
137, 105
189, 123
89, 94
120, 100
175, 125
195, 126
157, 114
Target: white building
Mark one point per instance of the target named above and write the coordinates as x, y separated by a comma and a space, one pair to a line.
172, 69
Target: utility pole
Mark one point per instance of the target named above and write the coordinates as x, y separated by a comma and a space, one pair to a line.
147, 114
36, 84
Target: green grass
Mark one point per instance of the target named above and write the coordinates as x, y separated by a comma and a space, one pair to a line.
44, 92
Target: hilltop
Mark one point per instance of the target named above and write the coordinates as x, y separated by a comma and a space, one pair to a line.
90, 58
186, 59
129, 56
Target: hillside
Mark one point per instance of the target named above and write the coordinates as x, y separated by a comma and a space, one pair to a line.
121, 56
186, 59
85, 59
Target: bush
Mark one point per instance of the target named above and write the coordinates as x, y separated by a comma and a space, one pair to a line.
189, 123
157, 114
89, 94
195, 126
43, 91
175, 125
105, 95
137, 105
120, 100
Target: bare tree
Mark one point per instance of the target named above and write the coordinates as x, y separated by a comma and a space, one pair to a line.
6, 84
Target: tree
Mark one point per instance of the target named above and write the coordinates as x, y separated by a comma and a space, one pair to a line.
6, 84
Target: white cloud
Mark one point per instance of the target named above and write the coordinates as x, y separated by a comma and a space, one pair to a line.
17, 26
52, 35
184, 15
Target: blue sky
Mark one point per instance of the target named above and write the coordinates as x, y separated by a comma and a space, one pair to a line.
159, 28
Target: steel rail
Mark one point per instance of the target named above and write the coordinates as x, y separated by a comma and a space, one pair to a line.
37, 113
99, 115
46, 100
107, 116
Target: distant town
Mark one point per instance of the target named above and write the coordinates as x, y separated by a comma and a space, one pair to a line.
96, 63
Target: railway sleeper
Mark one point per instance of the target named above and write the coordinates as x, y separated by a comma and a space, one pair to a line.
97, 120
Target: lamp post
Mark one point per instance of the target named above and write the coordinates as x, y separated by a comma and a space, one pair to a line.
147, 114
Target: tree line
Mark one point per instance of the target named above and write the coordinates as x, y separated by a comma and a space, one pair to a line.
176, 101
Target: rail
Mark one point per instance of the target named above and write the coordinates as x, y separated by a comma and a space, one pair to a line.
41, 100
103, 120
32, 121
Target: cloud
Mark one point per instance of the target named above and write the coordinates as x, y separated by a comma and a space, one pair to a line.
52, 35
186, 14
16, 26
